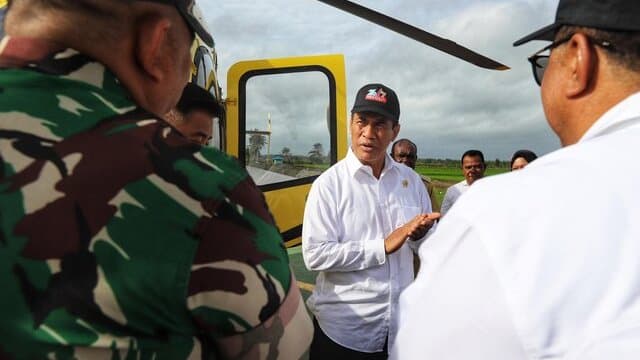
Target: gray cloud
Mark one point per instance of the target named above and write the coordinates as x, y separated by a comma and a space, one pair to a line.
447, 105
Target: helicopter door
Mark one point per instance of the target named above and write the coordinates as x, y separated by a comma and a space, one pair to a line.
286, 123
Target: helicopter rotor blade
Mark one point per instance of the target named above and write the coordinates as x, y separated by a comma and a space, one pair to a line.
417, 34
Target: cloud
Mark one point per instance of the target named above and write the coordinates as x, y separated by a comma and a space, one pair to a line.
447, 105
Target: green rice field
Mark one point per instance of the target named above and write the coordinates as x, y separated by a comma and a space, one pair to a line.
443, 177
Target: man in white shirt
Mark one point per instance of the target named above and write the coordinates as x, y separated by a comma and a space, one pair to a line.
536, 264
363, 219
473, 167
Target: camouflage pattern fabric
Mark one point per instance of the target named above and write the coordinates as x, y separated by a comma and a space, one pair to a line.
119, 239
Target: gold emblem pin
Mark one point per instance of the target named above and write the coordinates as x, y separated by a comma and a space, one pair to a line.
405, 183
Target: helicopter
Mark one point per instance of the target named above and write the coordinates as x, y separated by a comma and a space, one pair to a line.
285, 176
3, 8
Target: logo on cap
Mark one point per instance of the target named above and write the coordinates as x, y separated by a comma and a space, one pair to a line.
376, 95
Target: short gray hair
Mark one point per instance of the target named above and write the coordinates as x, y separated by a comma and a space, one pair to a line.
102, 18
624, 49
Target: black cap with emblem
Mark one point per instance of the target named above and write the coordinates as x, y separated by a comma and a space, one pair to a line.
379, 99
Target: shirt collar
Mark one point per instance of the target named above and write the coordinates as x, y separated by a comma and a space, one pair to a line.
353, 164
625, 111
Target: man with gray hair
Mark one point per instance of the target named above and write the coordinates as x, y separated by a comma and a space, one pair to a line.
535, 264
119, 238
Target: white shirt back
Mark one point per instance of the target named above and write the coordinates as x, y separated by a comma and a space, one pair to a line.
542, 263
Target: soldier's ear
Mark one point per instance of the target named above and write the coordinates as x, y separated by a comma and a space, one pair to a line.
152, 44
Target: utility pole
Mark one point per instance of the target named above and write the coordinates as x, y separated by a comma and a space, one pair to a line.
269, 139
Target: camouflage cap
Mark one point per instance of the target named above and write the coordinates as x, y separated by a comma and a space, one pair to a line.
192, 15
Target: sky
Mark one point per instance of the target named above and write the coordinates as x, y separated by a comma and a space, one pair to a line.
447, 105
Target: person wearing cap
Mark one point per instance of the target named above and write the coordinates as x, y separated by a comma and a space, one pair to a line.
473, 167
193, 116
535, 264
521, 159
118, 237
363, 219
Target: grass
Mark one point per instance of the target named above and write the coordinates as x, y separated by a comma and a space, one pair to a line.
443, 177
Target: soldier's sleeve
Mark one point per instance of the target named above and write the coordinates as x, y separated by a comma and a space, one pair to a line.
435, 207
242, 294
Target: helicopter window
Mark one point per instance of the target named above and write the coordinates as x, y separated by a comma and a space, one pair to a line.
217, 135
287, 139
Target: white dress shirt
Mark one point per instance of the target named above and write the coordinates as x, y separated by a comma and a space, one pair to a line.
451, 196
541, 263
347, 216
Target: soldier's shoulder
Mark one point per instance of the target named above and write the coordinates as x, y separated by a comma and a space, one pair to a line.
426, 178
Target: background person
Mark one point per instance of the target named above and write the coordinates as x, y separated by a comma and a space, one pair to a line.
473, 167
362, 219
536, 264
118, 237
193, 115
522, 158
406, 152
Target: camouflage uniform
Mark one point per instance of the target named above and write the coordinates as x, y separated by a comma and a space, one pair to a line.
428, 184
121, 240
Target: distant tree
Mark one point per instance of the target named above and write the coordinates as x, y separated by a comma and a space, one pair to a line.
316, 153
286, 154
256, 143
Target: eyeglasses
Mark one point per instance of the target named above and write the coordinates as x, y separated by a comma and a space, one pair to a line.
539, 62
403, 155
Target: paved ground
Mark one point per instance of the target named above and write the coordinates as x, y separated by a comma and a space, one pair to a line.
306, 279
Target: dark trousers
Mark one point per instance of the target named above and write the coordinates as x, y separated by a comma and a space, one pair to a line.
323, 348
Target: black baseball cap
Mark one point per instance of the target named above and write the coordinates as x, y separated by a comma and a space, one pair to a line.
195, 97
378, 99
616, 15
192, 15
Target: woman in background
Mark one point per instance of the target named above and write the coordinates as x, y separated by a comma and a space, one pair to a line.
521, 158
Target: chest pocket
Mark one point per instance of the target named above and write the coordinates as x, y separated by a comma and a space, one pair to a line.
406, 213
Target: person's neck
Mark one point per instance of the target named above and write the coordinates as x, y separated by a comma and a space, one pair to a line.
586, 113
612, 87
377, 167
118, 57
